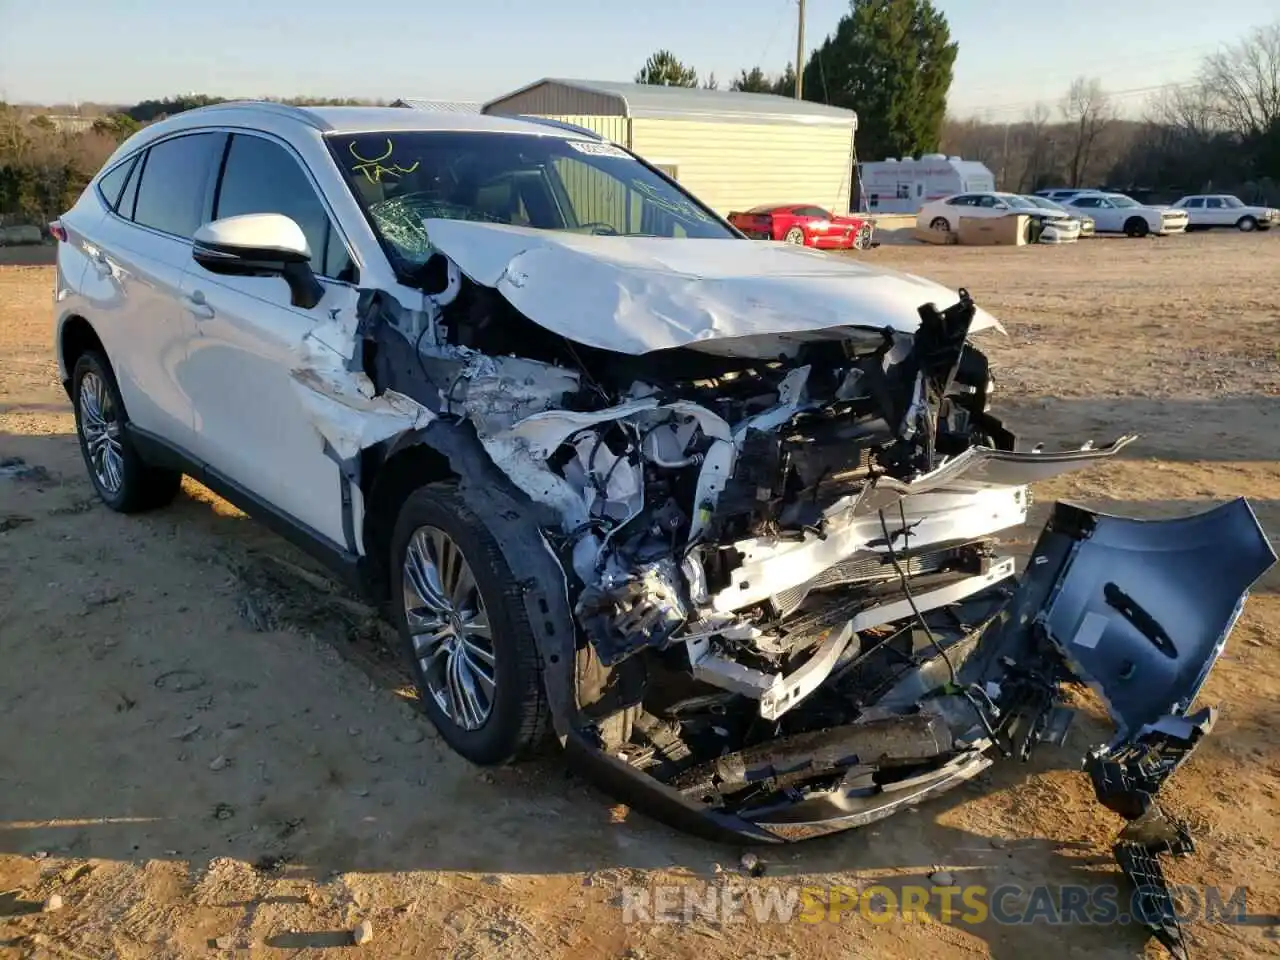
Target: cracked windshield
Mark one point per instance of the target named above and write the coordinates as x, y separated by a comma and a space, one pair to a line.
548, 183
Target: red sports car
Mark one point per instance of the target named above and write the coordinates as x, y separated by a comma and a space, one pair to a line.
804, 224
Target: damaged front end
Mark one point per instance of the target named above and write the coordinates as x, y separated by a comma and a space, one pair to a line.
764, 551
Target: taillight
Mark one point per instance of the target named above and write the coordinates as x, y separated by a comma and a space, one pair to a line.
59, 231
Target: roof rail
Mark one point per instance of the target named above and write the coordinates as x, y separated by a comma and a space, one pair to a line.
571, 127
301, 114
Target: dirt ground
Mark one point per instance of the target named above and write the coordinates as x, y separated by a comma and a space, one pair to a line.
208, 749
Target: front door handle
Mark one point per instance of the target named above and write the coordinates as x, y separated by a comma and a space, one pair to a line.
197, 306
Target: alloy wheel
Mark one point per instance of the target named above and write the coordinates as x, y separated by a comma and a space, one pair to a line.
100, 427
449, 625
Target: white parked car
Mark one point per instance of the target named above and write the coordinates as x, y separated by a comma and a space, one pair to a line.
1087, 226
946, 214
1223, 210
720, 514
1116, 213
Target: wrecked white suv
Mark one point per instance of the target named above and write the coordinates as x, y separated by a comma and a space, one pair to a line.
721, 514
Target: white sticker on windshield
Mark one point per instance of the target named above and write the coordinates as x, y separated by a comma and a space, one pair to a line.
597, 149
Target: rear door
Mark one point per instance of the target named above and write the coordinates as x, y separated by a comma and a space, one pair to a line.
1217, 213
987, 205
142, 251
250, 425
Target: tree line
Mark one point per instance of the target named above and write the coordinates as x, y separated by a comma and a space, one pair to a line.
1218, 132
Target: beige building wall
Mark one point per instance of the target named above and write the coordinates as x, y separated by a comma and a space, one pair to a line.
735, 166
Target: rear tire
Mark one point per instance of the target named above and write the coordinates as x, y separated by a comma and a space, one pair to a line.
863, 240
1247, 224
124, 481
795, 236
449, 657
941, 224
1136, 227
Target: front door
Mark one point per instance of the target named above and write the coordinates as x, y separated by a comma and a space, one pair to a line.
250, 425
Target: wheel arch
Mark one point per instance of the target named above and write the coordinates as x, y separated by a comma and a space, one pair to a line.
447, 451
389, 475
76, 336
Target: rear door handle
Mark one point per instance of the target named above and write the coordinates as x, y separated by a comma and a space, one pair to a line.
197, 306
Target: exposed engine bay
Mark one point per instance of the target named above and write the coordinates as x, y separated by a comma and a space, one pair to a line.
777, 548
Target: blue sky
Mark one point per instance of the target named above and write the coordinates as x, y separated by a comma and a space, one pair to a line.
1012, 52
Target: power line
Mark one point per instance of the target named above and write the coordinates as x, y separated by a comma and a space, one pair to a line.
1112, 94
777, 26
1085, 68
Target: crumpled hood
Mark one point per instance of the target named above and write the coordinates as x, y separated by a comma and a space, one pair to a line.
638, 294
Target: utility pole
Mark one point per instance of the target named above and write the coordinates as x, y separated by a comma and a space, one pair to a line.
800, 52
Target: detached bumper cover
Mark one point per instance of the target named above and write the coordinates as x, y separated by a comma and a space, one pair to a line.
1140, 610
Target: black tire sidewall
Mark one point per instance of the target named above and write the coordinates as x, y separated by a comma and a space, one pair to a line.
501, 738
1247, 224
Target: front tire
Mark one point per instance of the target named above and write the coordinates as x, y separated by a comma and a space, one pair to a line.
1136, 227
463, 625
124, 481
1247, 224
795, 236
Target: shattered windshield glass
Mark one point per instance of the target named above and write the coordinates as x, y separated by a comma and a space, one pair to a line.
545, 182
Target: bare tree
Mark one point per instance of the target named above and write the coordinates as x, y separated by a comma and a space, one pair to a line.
1241, 84
1088, 111
1186, 109
1036, 122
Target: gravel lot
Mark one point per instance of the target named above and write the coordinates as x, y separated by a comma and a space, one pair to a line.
209, 748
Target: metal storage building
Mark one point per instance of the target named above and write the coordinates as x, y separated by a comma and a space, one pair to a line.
733, 150
439, 106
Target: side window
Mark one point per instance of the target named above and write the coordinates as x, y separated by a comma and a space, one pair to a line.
129, 196
961, 201
989, 201
1089, 202
1194, 204
812, 212
260, 176
1214, 203
171, 195
113, 181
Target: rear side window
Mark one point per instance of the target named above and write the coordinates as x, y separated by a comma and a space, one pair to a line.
261, 176
171, 195
112, 182
130, 194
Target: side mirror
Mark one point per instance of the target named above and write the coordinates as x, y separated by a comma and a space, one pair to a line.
259, 245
